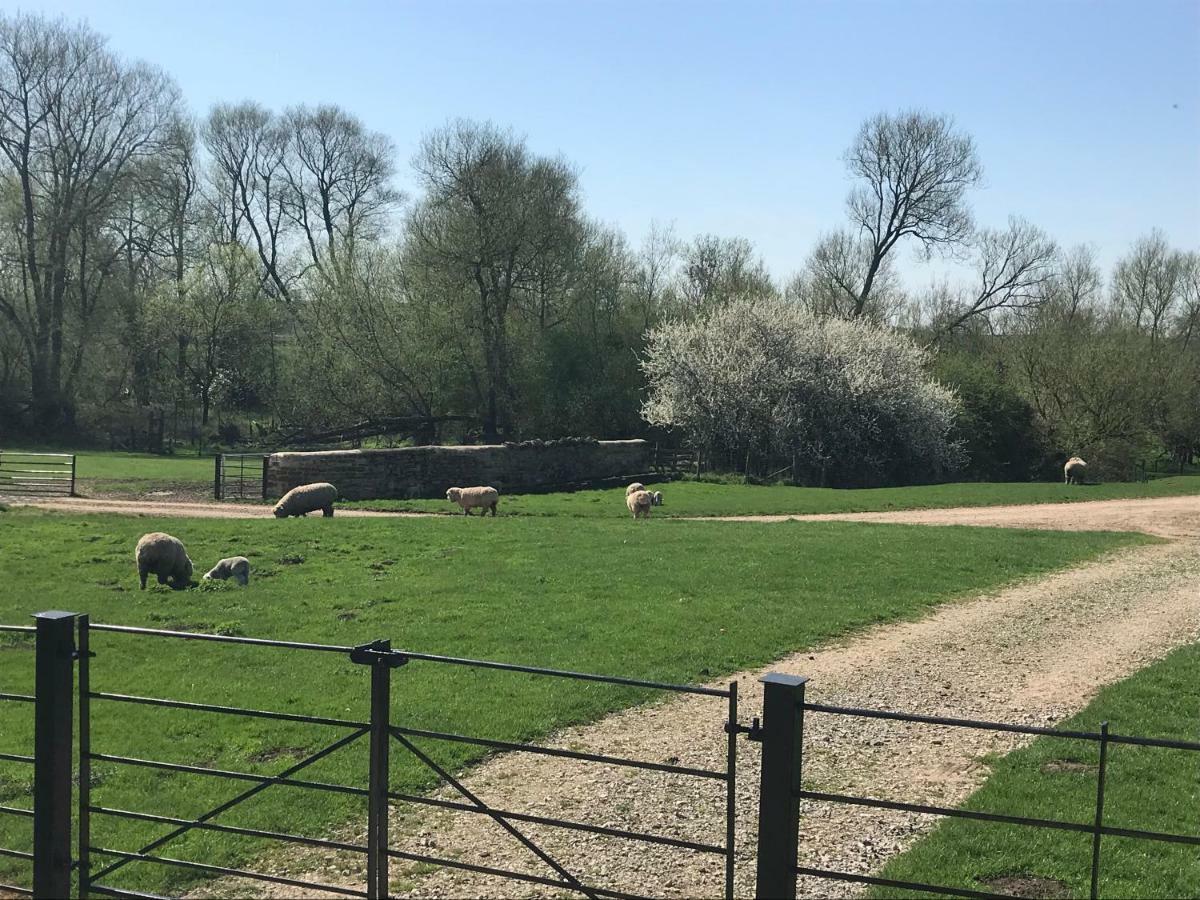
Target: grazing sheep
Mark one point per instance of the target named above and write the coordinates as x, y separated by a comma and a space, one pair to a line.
470, 498
634, 488
165, 557
656, 498
235, 567
1074, 470
639, 504
306, 498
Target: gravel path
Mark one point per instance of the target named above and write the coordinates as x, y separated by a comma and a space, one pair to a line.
1033, 653
1171, 517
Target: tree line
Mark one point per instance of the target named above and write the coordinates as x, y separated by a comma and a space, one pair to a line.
166, 277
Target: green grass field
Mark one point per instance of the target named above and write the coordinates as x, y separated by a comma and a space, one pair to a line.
1147, 788
691, 498
673, 601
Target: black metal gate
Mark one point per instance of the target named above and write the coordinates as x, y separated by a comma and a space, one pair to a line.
38, 474
64, 645
240, 476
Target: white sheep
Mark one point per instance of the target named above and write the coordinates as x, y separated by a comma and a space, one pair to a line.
306, 498
634, 488
639, 504
656, 498
1074, 470
235, 567
469, 498
164, 556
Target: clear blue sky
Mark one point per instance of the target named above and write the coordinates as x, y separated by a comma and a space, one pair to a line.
731, 117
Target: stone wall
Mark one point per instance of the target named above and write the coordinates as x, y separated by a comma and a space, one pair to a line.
426, 472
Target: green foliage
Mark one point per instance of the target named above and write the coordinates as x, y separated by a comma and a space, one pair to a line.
995, 424
1148, 789
671, 601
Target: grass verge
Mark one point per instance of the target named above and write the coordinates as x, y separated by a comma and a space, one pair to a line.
670, 601
691, 498
1147, 788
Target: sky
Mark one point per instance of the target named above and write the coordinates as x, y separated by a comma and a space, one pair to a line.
731, 118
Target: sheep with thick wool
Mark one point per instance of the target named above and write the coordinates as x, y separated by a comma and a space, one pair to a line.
1074, 471
235, 567
639, 503
164, 556
634, 488
306, 498
469, 498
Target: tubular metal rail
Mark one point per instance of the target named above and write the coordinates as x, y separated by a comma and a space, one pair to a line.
240, 476
38, 474
96, 865
1096, 829
26, 763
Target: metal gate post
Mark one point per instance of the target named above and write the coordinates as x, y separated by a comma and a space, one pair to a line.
217, 477
54, 691
266, 468
779, 791
380, 657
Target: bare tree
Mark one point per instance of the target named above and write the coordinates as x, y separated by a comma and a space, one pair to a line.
339, 178
1148, 285
718, 270
915, 170
492, 217
73, 121
1012, 269
833, 278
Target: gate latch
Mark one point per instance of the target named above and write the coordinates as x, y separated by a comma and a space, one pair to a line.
377, 651
753, 731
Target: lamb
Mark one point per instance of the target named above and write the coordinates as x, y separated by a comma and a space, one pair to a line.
656, 498
306, 498
639, 504
1074, 470
470, 498
634, 488
235, 567
164, 556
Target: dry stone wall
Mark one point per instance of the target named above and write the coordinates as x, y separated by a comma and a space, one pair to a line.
426, 472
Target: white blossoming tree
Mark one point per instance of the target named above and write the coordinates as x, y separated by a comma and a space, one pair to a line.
850, 402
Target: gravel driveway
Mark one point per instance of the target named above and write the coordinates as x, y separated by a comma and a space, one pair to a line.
1032, 653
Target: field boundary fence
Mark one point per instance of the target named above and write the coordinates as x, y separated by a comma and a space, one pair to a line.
37, 474
785, 711
66, 862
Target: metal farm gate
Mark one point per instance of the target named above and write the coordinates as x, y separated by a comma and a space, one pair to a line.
38, 474
240, 476
65, 861
65, 644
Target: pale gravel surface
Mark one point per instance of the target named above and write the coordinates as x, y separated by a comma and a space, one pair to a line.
1033, 653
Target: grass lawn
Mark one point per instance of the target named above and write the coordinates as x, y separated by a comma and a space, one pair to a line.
672, 601
691, 498
1146, 788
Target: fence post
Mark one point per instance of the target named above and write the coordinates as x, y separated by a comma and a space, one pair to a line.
779, 789
217, 477
377, 788
72, 494
266, 467
54, 676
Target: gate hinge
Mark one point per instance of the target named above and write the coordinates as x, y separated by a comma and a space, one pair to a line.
75, 654
753, 731
377, 651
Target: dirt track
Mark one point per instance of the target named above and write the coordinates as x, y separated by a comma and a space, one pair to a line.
1172, 517
1035, 653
